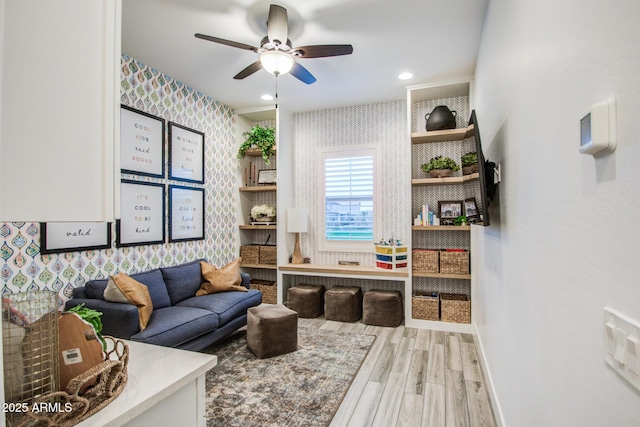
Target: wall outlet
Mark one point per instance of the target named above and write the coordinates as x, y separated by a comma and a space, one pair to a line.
622, 345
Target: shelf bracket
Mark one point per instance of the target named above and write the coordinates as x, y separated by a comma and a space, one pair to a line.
497, 174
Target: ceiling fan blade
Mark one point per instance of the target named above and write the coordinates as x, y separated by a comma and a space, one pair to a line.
277, 24
226, 42
256, 66
302, 74
321, 51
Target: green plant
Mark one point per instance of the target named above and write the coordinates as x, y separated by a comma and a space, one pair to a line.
461, 220
469, 159
440, 163
91, 316
263, 138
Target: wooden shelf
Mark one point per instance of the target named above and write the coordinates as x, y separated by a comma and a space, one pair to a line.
255, 152
258, 227
329, 269
443, 275
448, 180
442, 135
441, 227
259, 189
264, 266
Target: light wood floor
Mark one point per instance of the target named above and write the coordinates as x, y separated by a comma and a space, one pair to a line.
413, 377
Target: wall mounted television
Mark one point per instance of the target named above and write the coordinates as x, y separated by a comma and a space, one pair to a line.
485, 172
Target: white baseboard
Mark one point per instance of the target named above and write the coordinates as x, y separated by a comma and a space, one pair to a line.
488, 382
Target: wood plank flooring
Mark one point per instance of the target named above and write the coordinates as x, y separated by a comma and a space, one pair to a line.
413, 377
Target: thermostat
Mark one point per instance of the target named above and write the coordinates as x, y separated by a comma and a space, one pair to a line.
598, 129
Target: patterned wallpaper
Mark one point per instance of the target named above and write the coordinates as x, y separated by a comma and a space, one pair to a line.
23, 267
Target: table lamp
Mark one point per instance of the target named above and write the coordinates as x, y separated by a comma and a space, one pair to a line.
297, 223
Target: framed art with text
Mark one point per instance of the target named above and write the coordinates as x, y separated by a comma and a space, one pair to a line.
142, 214
141, 143
186, 213
58, 237
186, 154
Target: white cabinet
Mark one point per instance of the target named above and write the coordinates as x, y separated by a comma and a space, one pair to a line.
59, 110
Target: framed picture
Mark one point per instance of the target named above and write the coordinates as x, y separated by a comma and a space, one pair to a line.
186, 213
267, 176
449, 210
186, 154
142, 219
141, 143
58, 237
471, 209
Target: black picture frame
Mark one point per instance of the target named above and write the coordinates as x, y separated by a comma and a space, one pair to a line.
186, 154
471, 209
267, 176
61, 237
142, 219
186, 213
449, 211
142, 137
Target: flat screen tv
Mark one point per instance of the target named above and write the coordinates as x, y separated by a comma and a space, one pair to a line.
485, 172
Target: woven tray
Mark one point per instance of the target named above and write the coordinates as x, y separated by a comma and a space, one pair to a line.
424, 261
455, 308
454, 262
425, 307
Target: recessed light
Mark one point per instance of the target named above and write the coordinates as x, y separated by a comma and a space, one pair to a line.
267, 97
405, 76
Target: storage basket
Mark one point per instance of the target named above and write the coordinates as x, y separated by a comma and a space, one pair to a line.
454, 261
250, 254
268, 254
268, 288
425, 306
455, 308
424, 261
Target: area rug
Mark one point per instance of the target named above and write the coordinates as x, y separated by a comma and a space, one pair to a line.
302, 388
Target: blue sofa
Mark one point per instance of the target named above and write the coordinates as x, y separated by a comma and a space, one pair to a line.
179, 318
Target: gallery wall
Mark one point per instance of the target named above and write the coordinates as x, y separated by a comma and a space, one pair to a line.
25, 268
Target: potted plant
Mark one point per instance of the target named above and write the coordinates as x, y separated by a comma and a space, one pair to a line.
469, 163
261, 138
263, 213
440, 167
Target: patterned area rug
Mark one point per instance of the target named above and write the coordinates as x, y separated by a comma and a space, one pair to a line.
302, 388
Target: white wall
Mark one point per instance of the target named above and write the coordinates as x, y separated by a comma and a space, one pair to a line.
564, 235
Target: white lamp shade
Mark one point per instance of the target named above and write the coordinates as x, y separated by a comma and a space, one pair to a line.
276, 62
297, 220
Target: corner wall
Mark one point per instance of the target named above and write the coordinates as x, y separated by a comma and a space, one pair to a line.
563, 239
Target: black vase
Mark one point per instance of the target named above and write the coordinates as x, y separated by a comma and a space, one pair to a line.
441, 118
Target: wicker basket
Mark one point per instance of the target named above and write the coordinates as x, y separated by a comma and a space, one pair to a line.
250, 254
424, 260
268, 254
454, 262
425, 306
455, 308
268, 288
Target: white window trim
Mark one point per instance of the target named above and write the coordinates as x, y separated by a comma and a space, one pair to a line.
346, 151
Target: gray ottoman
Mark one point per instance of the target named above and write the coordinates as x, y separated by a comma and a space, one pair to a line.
272, 330
306, 300
343, 304
382, 308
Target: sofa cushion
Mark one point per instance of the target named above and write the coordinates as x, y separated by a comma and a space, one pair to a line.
222, 279
227, 305
125, 289
151, 279
172, 326
183, 281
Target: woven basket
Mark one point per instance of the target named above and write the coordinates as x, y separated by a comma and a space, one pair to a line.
268, 254
455, 308
268, 288
250, 254
425, 307
454, 262
424, 260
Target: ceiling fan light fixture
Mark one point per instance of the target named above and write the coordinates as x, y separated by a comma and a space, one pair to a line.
276, 62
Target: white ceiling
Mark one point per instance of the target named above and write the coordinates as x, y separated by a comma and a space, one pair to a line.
436, 40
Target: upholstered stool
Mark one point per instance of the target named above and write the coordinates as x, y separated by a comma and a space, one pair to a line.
271, 330
307, 300
343, 304
382, 308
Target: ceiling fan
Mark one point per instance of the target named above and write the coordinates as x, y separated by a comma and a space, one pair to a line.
277, 55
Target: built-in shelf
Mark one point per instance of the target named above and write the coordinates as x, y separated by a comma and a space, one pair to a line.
259, 188
443, 275
442, 135
448, 180
264, 266
441, 227
258, 227
334, 269
255, 152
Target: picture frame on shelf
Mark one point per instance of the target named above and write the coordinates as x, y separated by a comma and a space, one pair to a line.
60, 237
267, 176
449, 211
186, 154
142, 219
141, 143
471, 209
186, 213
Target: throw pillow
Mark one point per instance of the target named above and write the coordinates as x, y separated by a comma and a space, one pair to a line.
122, 288
222, 279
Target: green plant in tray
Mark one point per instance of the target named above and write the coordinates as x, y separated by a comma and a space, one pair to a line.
469, 159
262, 138
440, 162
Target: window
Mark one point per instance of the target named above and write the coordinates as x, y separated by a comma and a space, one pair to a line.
347, 209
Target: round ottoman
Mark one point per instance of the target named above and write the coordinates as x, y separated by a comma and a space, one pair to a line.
382, 308
272, 330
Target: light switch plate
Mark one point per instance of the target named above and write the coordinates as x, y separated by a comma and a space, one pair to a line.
621, 345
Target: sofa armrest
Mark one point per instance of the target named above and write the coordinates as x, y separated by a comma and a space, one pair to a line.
246, 280
118, 319
80, 292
